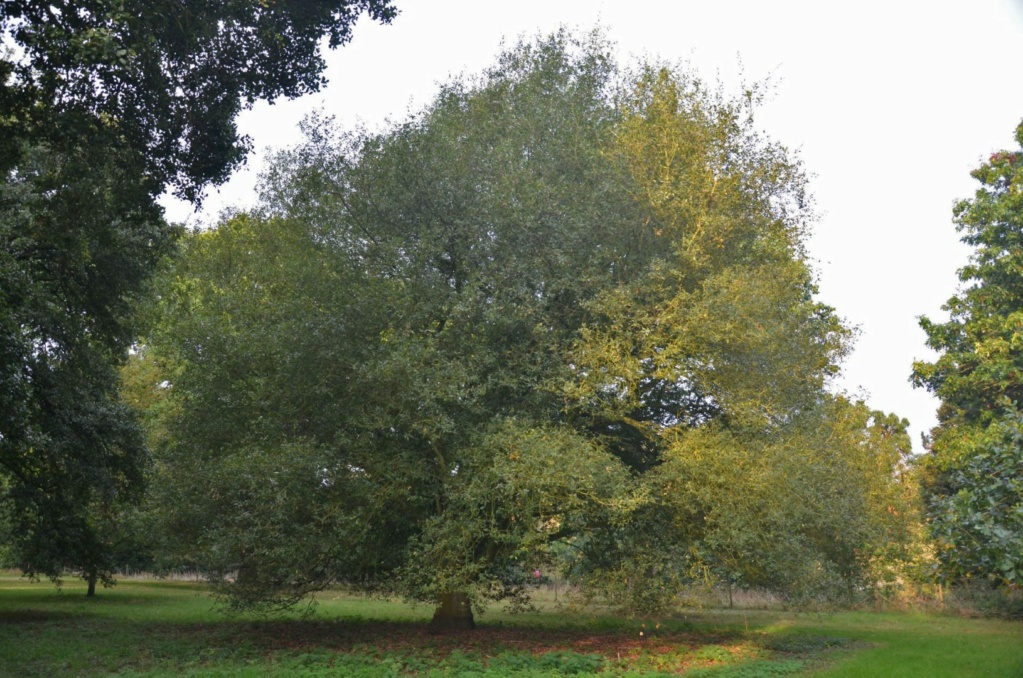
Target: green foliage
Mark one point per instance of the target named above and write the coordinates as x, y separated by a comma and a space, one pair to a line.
526, 490
711, 321
257, 337
411, 337
79, 236
762, 669
814, 510
976, 511
981, 342
805, 644
715, 360
972, 476
103, 105
168, 78
977, 597
551, 321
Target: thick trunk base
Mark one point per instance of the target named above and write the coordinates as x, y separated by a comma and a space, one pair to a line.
453, 613
91, 591
246, 575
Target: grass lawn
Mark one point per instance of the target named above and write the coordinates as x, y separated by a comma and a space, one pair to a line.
171, 629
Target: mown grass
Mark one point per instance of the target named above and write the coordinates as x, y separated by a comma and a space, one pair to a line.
143, 628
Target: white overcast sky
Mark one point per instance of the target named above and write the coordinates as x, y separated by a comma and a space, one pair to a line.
889, 103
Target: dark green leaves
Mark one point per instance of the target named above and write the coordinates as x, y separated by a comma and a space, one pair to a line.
169, 77
973, 480
103, 105
976, 510
524, 339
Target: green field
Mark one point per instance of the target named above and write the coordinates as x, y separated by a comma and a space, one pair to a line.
170, 629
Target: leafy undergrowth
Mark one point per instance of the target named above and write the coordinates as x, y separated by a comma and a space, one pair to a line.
159, 629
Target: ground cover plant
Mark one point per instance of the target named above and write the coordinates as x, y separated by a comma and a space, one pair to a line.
146, 628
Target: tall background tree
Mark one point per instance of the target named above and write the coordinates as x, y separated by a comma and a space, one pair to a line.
104, 104
974, 472
524, 323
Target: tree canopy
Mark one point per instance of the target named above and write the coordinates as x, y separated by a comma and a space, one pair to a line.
973, 472
560, 317
103, 105
168, 77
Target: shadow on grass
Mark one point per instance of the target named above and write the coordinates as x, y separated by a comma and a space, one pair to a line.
96, 646
383, 639
33, 616
171, 629
64, 598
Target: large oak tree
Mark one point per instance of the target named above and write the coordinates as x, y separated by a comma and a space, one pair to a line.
525, 327
104, 104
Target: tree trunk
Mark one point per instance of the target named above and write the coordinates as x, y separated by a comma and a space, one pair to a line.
91, 591
453, 613
246, 574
